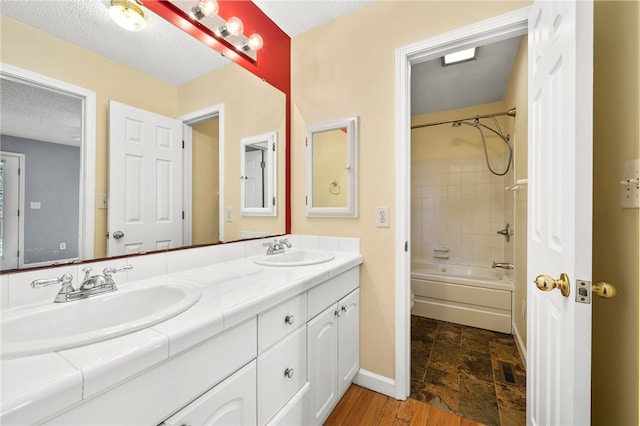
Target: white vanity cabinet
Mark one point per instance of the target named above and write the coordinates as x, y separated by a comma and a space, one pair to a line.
287, 365
333, 353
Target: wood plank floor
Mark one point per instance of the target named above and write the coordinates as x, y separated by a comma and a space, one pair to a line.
360, 406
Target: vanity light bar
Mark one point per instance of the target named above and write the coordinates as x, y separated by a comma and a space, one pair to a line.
206, 13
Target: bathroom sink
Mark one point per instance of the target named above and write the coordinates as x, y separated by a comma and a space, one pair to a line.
58, 326
296, 258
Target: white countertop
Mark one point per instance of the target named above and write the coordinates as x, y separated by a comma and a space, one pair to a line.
37, 387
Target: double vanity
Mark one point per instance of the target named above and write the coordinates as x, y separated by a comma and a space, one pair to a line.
221, 335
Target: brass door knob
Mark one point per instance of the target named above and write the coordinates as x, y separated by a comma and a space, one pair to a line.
604, 289
546, 283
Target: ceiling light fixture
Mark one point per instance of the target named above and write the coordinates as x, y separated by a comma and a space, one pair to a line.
204, 8
128, 14
460, 56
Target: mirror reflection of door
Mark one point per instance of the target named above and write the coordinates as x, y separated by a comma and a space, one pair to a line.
145, 181
11, 196
254, 178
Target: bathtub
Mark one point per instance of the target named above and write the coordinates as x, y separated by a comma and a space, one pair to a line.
470, 295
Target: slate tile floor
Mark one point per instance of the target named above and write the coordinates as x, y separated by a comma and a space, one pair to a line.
471, 372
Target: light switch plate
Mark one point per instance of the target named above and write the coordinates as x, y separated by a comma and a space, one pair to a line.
629, 187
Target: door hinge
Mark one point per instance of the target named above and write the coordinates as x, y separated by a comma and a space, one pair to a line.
18, 254
406, 246
306, 141
182, 214
306, 200
182, 144
19, 171
274, 201
18, 212
274, 147
263, 165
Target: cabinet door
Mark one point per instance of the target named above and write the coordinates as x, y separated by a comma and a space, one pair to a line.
348, 340
323, 364
232, 402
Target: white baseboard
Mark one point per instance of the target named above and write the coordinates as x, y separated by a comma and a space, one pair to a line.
375, 382
520, 345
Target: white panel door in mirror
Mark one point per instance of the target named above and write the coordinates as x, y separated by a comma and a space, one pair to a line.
331, 162
258, 175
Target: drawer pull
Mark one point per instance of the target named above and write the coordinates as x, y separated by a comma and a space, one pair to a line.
337, 313
289, 319
344, 308
288, 373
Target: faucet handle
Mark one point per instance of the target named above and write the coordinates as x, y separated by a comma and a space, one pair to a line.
65, 279
111, 270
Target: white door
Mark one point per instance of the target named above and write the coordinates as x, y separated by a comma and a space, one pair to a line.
559, 210
145, 181
11, 203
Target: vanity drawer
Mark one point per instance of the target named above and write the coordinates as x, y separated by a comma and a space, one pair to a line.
281, 320
282, 371
296, 412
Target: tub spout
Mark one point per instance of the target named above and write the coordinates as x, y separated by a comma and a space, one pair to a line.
502, 265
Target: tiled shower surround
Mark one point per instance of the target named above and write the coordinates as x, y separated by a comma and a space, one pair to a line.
456, 203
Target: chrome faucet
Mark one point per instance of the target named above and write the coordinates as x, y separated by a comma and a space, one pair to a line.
276, 246
92, 285
502, 265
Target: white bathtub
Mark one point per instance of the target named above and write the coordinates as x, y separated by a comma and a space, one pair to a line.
470, 295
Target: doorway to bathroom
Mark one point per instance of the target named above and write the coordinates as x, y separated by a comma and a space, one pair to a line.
465, 118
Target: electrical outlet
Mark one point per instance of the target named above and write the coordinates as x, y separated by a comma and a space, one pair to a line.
228, 214
524, 310
382, 217
103, 201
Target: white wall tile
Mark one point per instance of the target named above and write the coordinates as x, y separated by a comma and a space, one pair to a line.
349, 245
328, 243
147, 266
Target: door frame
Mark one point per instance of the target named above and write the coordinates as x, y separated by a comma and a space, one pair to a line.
188, 120
21, 190
87, 187
491, 30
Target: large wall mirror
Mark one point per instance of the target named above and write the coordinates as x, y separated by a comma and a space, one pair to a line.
331, 168
218, 102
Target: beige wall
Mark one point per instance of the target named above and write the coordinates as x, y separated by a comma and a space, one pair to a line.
615, 231
205, 178
516, 96
347, 68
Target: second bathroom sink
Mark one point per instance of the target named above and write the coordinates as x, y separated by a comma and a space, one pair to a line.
296, 258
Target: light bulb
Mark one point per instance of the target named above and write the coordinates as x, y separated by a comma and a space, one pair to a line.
204, 8
127, 14
234, 26
255, 42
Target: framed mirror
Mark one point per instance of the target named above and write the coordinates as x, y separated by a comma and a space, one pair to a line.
258, 175
145, 76
332, 168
